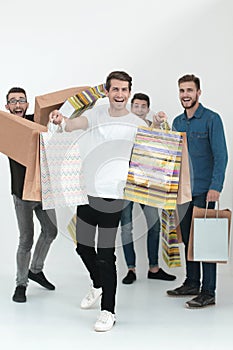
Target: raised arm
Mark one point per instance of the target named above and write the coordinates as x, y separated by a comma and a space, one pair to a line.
68, 124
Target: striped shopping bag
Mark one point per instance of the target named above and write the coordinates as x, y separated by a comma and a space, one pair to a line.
170, 243
154, 169
71, 228
75, 105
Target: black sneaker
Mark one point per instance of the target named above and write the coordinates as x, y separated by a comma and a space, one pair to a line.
129, 278
160, 275
41, 279
20, 294
202, 300
183, 291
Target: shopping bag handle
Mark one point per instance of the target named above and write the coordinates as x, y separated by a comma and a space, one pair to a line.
207, 203
53, 128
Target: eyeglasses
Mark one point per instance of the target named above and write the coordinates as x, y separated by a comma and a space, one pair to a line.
14, 101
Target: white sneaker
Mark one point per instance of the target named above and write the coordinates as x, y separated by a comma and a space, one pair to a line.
105, 321
91, 298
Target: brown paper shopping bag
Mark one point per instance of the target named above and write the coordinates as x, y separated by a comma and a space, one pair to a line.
19, 140
211, 236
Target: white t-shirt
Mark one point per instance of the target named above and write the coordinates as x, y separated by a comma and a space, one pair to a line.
105, 149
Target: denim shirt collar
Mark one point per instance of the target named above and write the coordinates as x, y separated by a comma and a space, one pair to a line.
197, 114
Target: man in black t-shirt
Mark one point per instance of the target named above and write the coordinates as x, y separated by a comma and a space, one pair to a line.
17, 104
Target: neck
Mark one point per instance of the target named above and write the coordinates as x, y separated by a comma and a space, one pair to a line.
117, 113
190, 111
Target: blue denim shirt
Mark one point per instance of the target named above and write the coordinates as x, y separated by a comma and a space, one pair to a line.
207, 149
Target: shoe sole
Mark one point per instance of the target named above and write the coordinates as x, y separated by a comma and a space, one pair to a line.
198, 307
104, 330
131, 282
182, 296
42, 284
19, 301
161, 279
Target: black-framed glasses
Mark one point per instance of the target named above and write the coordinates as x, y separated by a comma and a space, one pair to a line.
21, 101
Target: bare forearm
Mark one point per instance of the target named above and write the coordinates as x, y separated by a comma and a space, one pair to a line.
68, 124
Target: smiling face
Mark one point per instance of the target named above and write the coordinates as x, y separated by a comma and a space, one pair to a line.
189, 95
17, 104
118, 95
140, 108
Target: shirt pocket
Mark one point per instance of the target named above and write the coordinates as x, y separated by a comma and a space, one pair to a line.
199, 144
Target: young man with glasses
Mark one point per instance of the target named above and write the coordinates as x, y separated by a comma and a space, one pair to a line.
140, 105
17, 104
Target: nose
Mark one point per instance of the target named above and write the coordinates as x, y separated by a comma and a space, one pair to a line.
120, 93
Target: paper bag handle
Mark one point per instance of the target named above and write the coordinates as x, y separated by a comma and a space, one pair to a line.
53, 128
216, 210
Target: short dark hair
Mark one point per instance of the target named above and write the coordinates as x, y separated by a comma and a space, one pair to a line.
141, 96
190, 77
118, 75
15, 89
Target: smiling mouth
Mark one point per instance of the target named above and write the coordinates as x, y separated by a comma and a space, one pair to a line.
119, 101
18, 111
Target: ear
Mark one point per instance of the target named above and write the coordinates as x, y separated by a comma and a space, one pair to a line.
199, 92
106, 92
7, 107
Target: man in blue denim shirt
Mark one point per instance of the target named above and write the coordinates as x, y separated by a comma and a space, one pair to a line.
208, 160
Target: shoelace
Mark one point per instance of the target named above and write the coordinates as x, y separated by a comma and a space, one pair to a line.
103, 318
90, 295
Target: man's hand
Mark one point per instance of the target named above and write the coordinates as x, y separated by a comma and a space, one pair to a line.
212, 196
56, 117
159, 117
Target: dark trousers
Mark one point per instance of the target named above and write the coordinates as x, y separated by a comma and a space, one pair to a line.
193, 268
98, 253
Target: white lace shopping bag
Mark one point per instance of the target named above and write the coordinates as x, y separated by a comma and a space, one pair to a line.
62, 180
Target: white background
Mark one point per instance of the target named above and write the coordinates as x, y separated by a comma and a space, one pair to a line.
47, 46
51, 45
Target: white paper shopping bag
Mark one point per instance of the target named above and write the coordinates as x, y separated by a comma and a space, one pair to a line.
210, 239
62, 181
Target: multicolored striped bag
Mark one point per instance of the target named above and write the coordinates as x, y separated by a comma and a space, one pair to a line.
170, 243
153, 176
62, 180
71, 228
77, 104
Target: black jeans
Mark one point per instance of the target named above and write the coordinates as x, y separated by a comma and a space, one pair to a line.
193, 268
100, 261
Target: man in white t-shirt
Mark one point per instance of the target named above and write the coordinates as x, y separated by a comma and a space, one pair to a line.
110, 132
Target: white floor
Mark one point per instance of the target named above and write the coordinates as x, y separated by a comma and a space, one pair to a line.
146, 317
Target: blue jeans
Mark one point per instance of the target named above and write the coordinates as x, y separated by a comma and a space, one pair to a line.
193, 268
153, 234
47, 218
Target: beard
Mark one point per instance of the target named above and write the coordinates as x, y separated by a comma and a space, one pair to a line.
193, 103
18, 111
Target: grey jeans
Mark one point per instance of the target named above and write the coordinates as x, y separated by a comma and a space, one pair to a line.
47, 218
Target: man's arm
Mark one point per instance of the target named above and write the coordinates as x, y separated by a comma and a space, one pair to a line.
219, 151
68, 124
